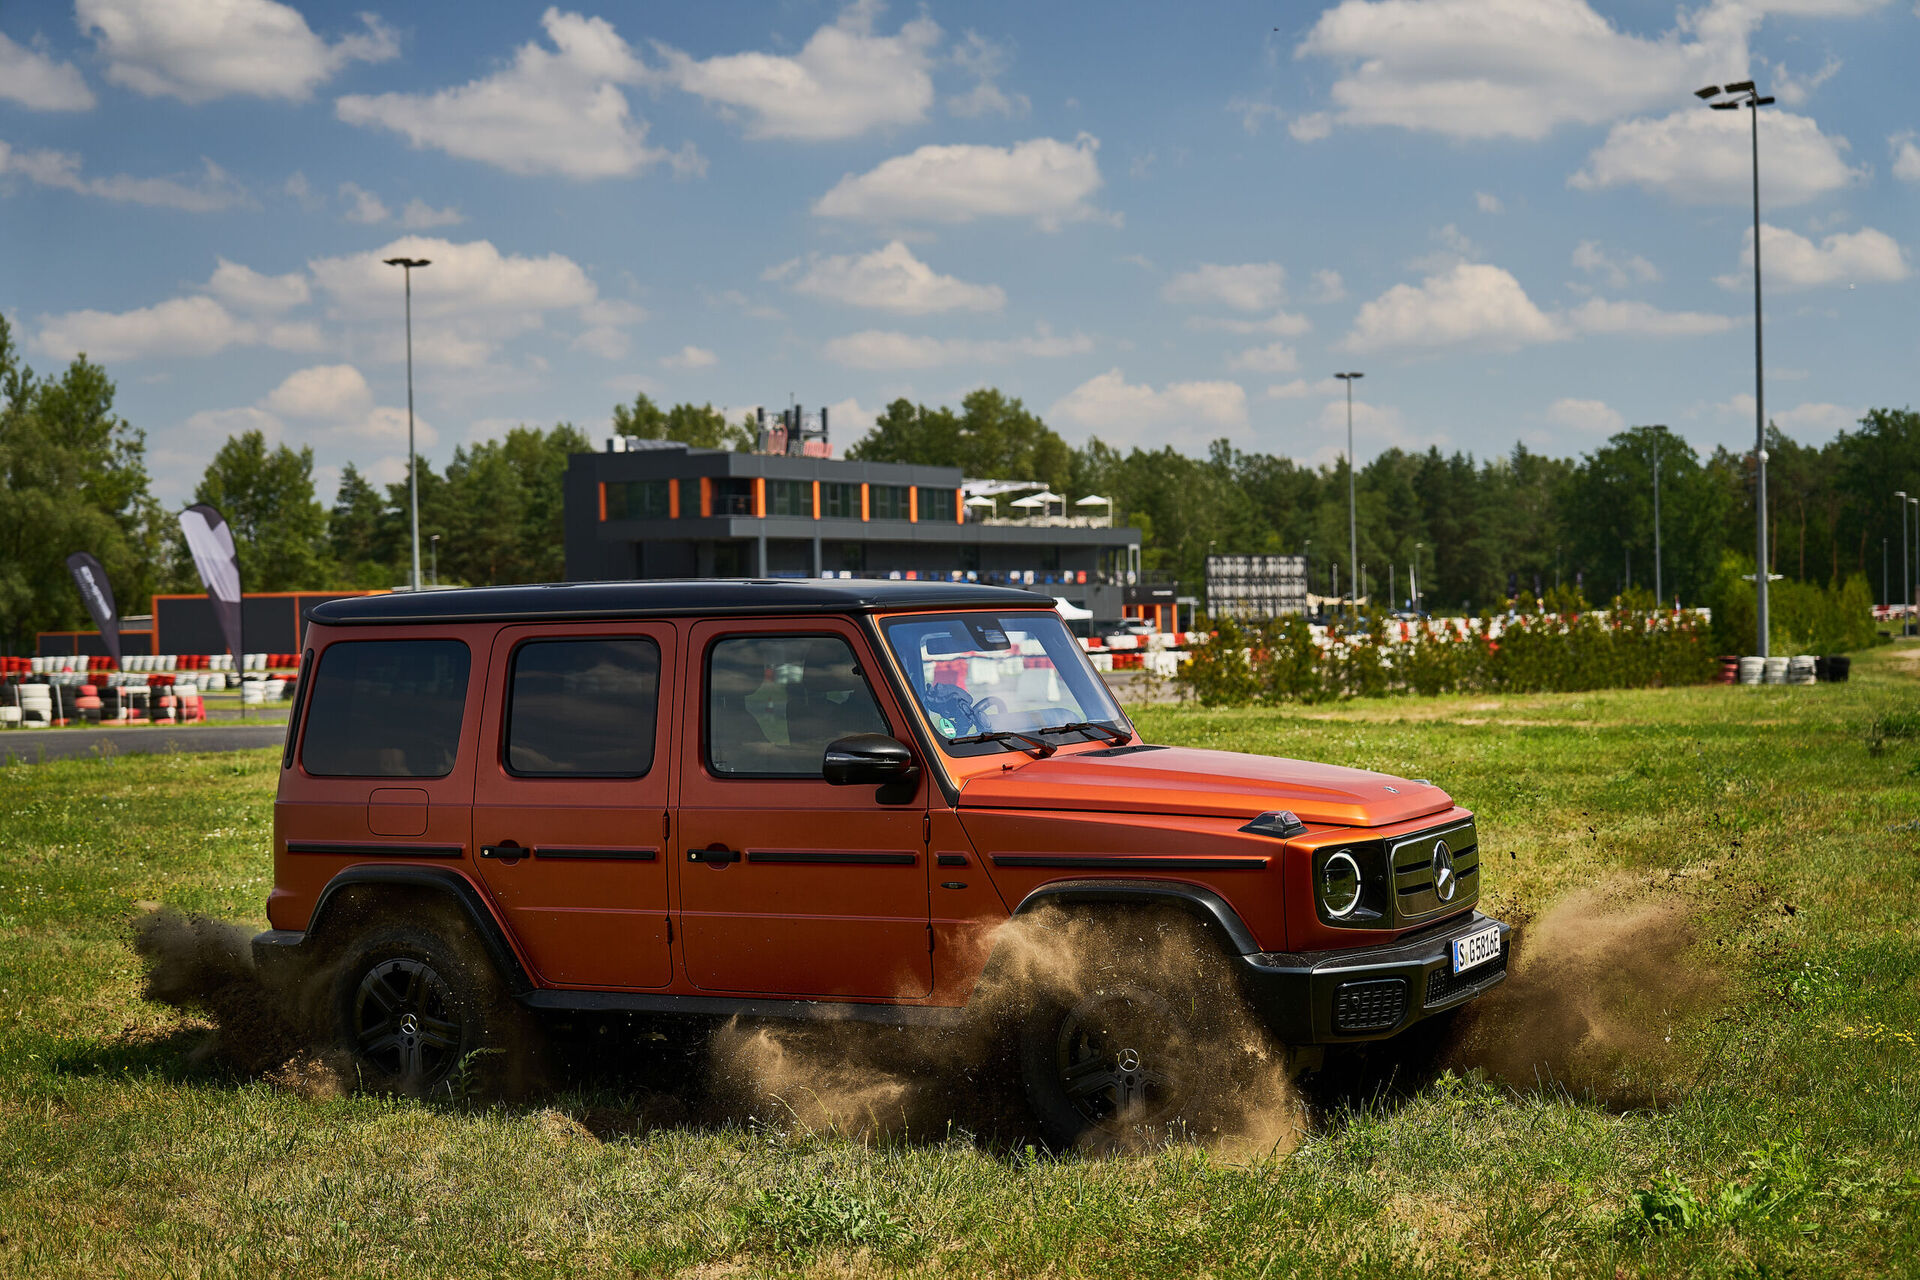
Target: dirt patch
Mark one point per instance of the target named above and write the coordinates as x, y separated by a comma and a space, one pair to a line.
1600, 980
203, 965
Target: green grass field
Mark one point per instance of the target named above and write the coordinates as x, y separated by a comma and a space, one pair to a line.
1745, 869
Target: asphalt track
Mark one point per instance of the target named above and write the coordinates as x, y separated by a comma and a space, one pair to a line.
31, 746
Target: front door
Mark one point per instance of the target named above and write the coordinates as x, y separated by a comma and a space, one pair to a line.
570, 802
789, 885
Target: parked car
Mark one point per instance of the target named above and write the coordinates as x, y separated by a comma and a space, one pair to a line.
1122, 627
821, 799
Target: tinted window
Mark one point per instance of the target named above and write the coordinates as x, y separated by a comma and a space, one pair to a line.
386, 709
639, 500
583, 708
840, 500
936, 504
790, 497
775, 702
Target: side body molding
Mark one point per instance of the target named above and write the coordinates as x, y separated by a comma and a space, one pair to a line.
1201, 903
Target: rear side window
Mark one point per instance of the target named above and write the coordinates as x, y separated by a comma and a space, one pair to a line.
775, 702
386, 709
583, 708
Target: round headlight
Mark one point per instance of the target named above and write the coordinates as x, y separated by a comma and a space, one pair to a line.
1340, 884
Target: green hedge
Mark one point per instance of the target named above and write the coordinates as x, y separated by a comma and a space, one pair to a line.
1279, 660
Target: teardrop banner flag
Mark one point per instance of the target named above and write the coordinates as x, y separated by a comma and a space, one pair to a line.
211, 543
98, 597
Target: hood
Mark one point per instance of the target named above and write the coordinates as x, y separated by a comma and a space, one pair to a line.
1185, 780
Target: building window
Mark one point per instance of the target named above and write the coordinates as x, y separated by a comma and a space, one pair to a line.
936, 505
640, 500
888, 501
790, 498
732, 496
840, 501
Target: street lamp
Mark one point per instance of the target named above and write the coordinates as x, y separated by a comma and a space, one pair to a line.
1353, 519
435, 541
1414, 584
1913, 502
1659, 592
1743, 94
406, 266
1906, 581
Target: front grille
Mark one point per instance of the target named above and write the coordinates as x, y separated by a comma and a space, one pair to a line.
1416, 890
1369, 1006
1444, 984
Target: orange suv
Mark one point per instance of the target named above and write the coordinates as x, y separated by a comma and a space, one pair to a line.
798, 798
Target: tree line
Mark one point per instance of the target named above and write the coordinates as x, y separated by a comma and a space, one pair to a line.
1481, 531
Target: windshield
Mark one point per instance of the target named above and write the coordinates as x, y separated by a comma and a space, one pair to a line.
983, 673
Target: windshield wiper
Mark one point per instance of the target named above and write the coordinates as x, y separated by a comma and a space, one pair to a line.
1119, 736
1039, 746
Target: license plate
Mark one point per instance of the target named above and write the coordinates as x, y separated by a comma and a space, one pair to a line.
1476, 949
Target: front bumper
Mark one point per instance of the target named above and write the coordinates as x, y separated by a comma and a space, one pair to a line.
1369, 993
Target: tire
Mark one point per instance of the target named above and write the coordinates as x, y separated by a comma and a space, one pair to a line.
420, 1012
1149, 1038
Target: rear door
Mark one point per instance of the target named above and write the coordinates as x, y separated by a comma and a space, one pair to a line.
570, 797
788, 885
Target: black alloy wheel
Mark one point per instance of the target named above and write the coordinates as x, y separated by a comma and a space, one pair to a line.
405, 1024
1111, 1063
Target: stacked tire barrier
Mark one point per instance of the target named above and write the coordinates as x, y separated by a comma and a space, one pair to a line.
1805, 668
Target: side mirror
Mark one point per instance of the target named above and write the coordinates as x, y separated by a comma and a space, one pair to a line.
868, 759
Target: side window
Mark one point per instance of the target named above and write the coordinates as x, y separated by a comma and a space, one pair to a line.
583, 708
775, 702
386, 709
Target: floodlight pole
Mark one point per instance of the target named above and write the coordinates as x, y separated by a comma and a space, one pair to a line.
406, 266
1745, 95
1353, 517
1659, 592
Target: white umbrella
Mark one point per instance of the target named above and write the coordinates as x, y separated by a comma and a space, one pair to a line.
979, 502
1037, 500
1094, 500
1047, 496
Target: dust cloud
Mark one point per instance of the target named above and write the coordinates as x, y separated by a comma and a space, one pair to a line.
1600, 980
202, 965
858, 1079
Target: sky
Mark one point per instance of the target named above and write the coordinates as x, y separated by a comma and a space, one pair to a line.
1153, 224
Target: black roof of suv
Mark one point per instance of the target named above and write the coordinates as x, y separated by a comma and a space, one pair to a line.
654, 598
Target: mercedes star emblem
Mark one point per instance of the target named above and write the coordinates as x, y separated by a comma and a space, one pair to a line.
1445, 882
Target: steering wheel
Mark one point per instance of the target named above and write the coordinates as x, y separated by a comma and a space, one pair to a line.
955, 704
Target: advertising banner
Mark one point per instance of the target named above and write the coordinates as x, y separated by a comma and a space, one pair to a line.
98, 597
211, 543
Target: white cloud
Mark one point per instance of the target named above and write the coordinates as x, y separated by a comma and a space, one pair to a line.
329, 391
1906, 157
244, 288
890, 279
890, 349
845, 80
1180, 413
1300, 389
548, 111
197, 50
1043, 179
1311, 127
1791, 261
612, 311
1255, 112
1589, 417
1487, 202
195, 326
986, 62
1796, 89
1281, 324
849, 421
1617, 270
421, 216
690, 357
214, 191
1597, 315
1375, 427
1275, 357
472, 299
604, 341
211, 425
1473, 304
1697, 156
1327, 287
1811, 418
1506, 68
35, 81
1247, 286
362, 205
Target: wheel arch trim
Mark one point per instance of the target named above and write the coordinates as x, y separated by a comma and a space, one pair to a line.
447, 882
1196, 900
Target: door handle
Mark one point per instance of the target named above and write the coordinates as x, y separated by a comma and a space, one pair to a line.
504, 852
714, 855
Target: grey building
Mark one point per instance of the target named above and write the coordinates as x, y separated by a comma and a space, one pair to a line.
675, 511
